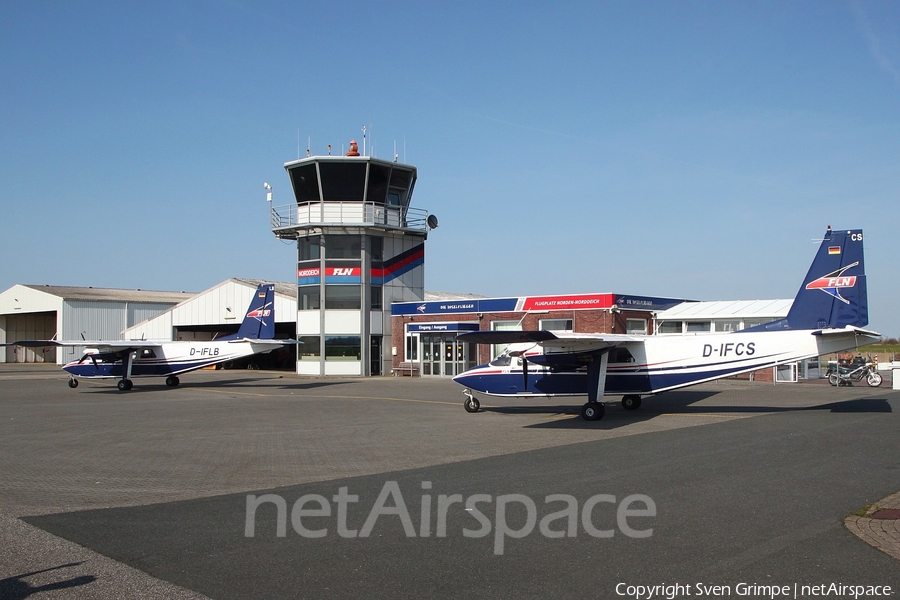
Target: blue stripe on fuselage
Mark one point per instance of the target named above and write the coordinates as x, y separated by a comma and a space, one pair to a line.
638, 381
87, 369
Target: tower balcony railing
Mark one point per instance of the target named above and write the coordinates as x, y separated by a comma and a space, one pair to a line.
289, 218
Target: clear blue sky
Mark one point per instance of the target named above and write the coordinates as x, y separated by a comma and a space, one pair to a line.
686, 149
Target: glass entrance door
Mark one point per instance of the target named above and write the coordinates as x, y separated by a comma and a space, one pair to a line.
431, 346
443, 356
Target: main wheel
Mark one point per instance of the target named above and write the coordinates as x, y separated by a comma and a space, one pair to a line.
592, 411
874, 379
172, 381
125, 385
472, 404
631, 402
73, 383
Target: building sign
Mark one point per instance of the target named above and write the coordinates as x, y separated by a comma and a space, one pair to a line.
454, 306
568, 302
346, 275
647, 303
308, 276
536, 304
311, 275
439, 327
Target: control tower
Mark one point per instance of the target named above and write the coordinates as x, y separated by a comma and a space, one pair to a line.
360, 247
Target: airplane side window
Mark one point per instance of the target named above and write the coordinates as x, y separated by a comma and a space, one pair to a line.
148, 353
621, 355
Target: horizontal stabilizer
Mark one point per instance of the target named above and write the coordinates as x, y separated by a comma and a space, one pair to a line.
850, 329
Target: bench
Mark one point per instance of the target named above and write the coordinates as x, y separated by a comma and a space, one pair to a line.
406, 368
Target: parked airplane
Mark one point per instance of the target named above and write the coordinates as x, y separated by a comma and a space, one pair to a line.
136, 358
826, 316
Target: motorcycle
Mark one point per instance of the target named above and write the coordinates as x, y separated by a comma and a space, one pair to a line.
855, 374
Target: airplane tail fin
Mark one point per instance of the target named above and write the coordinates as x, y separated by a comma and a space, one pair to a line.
259, 322
833, 294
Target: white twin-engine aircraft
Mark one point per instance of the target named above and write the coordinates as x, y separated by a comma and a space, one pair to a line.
827, 316
134, 358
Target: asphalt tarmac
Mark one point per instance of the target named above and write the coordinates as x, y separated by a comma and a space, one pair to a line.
255, 485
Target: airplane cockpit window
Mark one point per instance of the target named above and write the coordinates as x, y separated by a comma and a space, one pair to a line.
148, 353
501, 361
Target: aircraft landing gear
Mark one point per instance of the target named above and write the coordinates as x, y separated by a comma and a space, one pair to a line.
73, 383
631, 402
471, 403
124, 385
593, 411
172, 381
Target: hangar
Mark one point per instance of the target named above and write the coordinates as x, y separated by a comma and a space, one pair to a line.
71, 313
45, 311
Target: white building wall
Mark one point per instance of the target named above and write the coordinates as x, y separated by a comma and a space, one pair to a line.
343, 367
308, 322
342, 322
23, 299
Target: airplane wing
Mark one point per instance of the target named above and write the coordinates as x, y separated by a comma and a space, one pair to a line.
111, 345
134, 344
556, 341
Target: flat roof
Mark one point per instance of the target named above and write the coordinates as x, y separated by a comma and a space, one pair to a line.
92, 293
775, 309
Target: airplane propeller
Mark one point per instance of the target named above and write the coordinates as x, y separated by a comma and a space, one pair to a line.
524, 373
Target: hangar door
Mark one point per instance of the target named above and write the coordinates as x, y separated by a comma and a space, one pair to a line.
30, 326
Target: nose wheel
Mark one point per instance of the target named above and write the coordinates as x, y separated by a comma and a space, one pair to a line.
73, 383
471, 403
